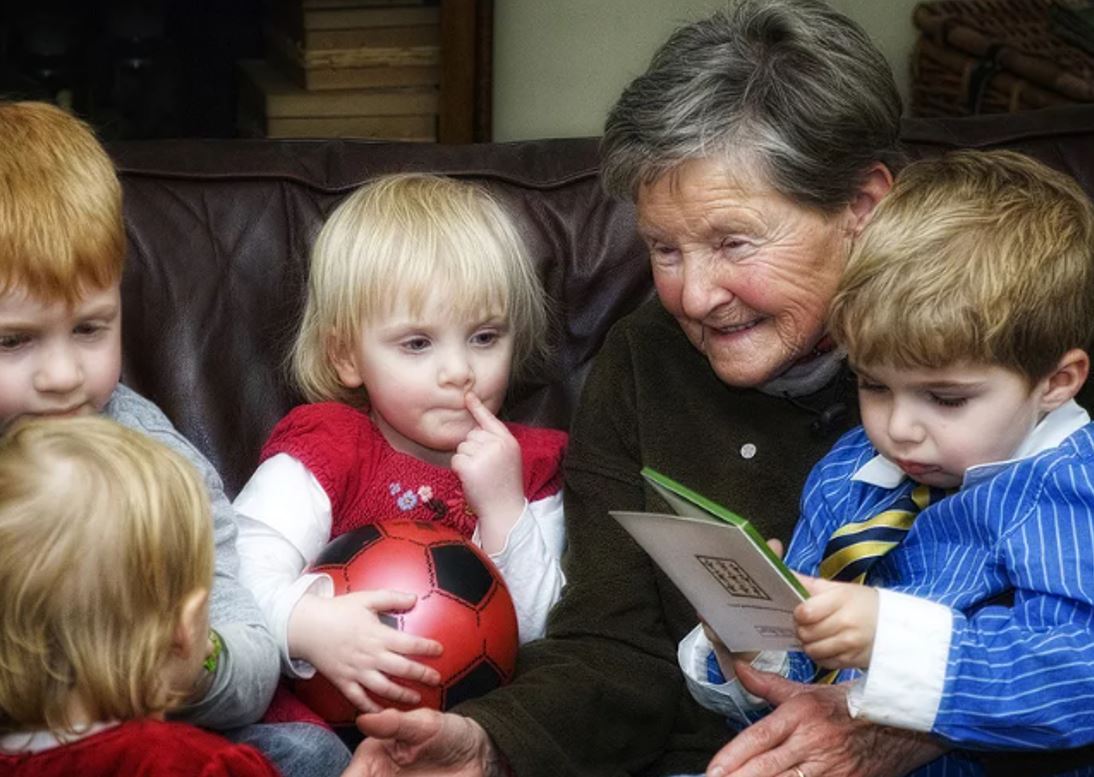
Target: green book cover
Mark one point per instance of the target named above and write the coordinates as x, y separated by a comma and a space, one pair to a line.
724, 567
684, 501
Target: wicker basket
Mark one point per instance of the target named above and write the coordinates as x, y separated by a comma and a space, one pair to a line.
994, 56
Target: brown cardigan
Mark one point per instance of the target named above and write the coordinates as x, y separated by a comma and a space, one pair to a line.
602, 694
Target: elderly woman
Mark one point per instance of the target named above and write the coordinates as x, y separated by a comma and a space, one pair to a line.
755, 147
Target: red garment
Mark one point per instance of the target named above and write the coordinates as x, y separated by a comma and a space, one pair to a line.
142, 747
368, 481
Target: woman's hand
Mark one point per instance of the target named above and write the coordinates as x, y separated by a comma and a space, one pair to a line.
343, 638
837, 623
489, 466
423, 742
811, 730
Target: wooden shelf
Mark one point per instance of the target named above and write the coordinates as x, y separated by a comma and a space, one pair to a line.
338, 57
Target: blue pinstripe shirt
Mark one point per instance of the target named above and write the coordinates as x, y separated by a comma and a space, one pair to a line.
1016, 676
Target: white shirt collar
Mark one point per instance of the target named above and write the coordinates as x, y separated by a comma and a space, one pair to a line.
1052, 430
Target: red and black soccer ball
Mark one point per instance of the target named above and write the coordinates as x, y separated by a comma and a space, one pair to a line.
462, 603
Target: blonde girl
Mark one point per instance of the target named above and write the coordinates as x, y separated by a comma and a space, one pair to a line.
422, 303
106, 561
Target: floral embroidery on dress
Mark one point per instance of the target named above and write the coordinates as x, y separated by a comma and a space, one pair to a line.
408, 501
439, 500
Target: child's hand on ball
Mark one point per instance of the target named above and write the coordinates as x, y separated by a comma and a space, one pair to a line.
344, 639
489, 466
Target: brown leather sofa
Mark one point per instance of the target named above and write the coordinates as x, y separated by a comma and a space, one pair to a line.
219, 233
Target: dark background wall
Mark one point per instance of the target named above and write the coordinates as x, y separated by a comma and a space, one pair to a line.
147, 69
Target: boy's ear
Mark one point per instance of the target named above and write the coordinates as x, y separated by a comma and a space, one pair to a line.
1064, 382
192, 630
343, 362
878, 182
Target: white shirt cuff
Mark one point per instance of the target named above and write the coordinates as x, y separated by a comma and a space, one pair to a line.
318, 584
903, 685
729, 699
518, 532
542, 520
529, 563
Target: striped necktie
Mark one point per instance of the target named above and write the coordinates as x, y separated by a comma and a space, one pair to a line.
855, 547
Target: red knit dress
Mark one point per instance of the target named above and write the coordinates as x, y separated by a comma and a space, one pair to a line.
142, 747
368, 481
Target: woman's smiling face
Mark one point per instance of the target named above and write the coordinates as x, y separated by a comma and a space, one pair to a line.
747, 272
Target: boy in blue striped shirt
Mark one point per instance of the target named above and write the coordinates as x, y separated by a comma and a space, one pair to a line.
965, 310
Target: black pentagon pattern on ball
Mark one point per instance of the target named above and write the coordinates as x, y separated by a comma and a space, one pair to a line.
483, 678
461, 573
388, 619
346, 546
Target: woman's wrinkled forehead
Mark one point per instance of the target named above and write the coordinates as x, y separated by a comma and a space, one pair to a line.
706, 198
740, 173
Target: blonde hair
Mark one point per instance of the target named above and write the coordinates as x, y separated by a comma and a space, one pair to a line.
977, 257
103, 534
61, 228
403, 238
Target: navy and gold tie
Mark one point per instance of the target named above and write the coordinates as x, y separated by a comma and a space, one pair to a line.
855, 547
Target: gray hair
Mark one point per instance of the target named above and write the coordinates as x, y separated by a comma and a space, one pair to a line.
789, 84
